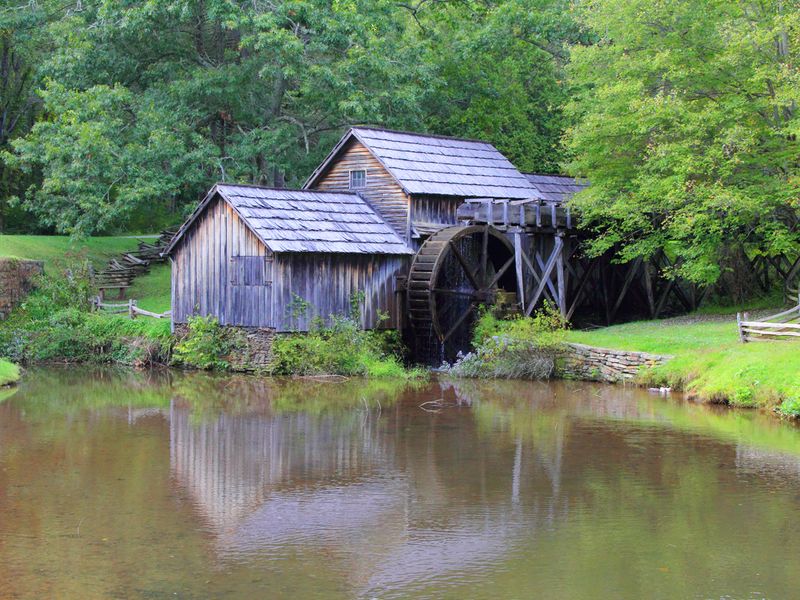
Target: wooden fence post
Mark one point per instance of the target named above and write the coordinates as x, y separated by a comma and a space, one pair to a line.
131, 305
742, 337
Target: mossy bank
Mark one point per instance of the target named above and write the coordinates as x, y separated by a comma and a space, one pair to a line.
709, 362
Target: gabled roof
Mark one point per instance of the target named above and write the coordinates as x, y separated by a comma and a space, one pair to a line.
556, 188
305, 221
429, 164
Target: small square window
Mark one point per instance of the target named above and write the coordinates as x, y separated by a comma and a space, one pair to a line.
358, 179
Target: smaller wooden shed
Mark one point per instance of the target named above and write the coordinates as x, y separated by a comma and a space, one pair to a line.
276, 258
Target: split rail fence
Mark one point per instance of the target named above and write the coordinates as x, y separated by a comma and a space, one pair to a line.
129, 308
782, 326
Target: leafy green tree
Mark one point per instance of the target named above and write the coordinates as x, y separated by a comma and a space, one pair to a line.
147, 103
686, 124
141, 105
23, 43
499, 74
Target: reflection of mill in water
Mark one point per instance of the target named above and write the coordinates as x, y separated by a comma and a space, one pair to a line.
356, 485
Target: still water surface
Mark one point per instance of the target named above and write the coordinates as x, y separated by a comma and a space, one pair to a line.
167, 485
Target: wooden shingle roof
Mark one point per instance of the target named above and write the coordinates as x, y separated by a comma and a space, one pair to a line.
306, 221
556, 188
427, 164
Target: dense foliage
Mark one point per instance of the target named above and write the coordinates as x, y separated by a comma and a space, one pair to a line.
341, 348
206, 345
685, 121
516, 348
121, 114
54, 324
118, 116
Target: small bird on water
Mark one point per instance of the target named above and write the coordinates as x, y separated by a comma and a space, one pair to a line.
663, 391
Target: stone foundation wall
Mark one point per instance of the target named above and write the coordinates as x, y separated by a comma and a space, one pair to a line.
257, 354
16, 281
602, 364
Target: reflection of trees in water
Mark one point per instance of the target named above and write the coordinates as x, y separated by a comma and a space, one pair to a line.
209, 395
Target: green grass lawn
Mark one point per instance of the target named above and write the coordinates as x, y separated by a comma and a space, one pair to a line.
709, 361
54, 248
9, 372
151, 291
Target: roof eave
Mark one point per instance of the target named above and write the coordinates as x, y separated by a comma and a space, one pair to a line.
190, 221
213, 192
317, 173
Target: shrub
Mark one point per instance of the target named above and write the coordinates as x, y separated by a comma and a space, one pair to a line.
790, 407
341, 348
206, 345
517, 348
54, 324
71, 335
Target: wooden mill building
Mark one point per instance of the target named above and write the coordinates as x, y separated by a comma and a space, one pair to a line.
426, 228
258, 257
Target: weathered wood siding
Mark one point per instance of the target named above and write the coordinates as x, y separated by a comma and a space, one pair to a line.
435, 209
328, 281
203, 278
202, 271
382, 191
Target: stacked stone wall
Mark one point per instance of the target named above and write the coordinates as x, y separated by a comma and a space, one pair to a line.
16, 281
578, 361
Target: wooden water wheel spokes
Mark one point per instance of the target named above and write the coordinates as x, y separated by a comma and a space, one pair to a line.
456, 270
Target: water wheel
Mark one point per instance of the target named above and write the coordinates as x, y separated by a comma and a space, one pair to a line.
457, 270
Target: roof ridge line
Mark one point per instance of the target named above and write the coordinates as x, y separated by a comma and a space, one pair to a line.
277, 189
430, 135
552, 175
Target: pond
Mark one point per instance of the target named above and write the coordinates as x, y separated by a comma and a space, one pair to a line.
120, 484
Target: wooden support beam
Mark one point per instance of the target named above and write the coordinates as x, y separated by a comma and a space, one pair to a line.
465, 265
485, 254
681, 296
540, 261
546, 273
663, 299
632, 270
536, 276
561, 279
587, 274
794, 271
604, 290
500, 272
519, 266
648, 287
777, 264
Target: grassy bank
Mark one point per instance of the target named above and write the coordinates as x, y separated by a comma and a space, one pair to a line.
53, 248
9, 372
709, 361
151, 291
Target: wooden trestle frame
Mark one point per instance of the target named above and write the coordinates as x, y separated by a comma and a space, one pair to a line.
551, 264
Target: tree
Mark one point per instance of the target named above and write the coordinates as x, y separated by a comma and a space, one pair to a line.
237, 91
498, 73
142, 105
686, 124
22, 46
